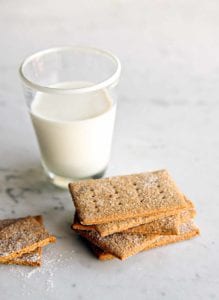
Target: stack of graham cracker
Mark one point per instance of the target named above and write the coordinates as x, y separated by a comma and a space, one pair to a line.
21, 240
121, 216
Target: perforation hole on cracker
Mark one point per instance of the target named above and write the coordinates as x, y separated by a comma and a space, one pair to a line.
97, 208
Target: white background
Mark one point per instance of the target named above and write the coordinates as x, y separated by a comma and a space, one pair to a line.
168, 117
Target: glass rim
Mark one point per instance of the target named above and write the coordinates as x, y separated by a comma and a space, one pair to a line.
94, 87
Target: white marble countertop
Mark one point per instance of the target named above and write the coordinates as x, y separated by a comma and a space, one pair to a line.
168, 117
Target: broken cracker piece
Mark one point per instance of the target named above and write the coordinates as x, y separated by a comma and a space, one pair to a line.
33, 258
21, 237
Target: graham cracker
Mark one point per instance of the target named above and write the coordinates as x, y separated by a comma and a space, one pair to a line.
77, 225
100, 254
123, 245
162, 241
33, 258
122, 225
164, 226
167, 225
21, 237
122, 197
6, 222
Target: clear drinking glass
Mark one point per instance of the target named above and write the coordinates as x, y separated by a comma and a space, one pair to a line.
70, 94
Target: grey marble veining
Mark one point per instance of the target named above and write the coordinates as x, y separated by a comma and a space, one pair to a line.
168, 117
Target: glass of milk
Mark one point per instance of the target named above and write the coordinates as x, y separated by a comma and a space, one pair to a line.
71, 97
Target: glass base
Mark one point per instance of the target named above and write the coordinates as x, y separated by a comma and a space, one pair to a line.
63, 182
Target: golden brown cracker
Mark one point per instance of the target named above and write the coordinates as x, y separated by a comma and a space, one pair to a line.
164, 226
123, 245
122, 197
28, 259
31, 259
122, 225
167, 225
22, 236
189, 233
100, 254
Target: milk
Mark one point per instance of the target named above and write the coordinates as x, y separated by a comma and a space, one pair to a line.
74, 131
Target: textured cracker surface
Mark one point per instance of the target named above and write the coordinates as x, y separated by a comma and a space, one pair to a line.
122, 197
28, 259
6, 222
100, 254
118, 226
22, 236
123, 245
122, 225
31, 259
187, 231
167, 225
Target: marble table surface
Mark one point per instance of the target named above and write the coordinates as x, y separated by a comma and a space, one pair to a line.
168, 117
